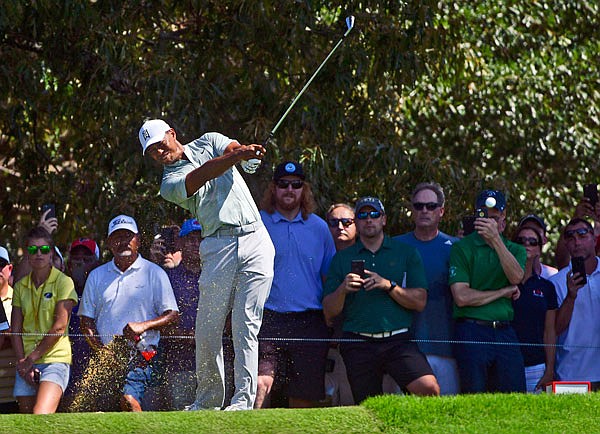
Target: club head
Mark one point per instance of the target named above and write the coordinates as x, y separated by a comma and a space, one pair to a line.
349, 24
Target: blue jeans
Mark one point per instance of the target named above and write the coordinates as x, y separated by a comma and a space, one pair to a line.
488, 367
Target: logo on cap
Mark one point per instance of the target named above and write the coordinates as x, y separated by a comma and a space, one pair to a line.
120, 221
145, 134
290, 168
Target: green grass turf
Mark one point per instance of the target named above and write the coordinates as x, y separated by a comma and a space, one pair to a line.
385, 414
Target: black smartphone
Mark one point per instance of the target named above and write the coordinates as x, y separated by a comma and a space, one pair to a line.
51, 207
37, 376
357, 266
578, 266
591, 192
481, 213
468, 224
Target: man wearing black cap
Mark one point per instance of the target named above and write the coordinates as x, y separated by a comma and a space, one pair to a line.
485, 269
378, 307
303, 250
536, 223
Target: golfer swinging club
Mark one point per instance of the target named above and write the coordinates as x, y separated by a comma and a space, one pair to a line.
237, 253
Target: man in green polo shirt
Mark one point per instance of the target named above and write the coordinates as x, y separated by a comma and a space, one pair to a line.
378, 308
485, 269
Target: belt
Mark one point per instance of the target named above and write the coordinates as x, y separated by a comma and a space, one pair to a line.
492, 324
384, 334
234, 231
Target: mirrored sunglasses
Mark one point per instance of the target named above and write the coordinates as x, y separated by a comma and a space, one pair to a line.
32, 250
364, 214
570, 234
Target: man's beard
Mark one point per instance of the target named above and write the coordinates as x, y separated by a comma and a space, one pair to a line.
289, 206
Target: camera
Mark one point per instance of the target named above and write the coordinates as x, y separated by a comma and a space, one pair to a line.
481, 213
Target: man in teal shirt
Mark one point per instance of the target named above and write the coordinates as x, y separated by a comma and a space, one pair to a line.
485, 269
378, 308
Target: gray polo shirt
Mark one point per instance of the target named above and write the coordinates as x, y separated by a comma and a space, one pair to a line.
222, 201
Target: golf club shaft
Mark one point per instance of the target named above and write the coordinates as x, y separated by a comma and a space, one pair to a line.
350, 25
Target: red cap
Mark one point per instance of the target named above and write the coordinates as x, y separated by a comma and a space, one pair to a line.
89, 244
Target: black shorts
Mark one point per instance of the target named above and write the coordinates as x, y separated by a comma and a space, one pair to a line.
300, 364
366, 363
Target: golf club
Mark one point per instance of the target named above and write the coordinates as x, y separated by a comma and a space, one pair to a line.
253, 163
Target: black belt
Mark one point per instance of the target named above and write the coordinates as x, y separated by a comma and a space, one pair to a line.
492, 324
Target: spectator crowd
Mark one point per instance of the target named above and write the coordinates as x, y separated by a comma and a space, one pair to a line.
245, 306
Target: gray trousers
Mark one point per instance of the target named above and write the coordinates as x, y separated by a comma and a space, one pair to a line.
237, 272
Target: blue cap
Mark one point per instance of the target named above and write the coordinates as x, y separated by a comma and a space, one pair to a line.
371, 201
497, 195
188, 226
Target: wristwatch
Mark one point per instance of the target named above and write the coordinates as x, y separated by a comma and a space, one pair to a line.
393, 285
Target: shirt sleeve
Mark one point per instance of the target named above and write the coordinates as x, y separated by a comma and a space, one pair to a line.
459, 266
329, 247
550, 294
218, 141
172, 187
66, 289
335, 275
165, 299
415, 271
16, 301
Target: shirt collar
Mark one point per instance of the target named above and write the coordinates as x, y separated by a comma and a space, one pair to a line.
277, 217
136, 264
387, 243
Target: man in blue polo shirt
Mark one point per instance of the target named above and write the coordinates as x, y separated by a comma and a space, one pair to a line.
303, 250
378, 308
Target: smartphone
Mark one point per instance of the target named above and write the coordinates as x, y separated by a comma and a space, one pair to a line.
52, 208
37, 376
357, 266
468, 224
481, 213
591, 192
578, 266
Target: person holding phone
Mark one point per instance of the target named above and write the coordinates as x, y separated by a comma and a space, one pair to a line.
485, 269
378, 309
535, 315
42, 304
577, 325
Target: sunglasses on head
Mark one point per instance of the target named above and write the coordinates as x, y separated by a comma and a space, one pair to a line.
527, 241
364, 214
581, 232
284, 183
32, 250
334, 223
429, 205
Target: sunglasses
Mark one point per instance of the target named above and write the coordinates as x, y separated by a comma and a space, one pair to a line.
32, 250
334, 223
364, 214
3, 263
570, 234
284, 183
429, 205
527, 241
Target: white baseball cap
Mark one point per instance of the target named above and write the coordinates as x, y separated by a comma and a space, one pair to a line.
153, 131
122, 222
4, 254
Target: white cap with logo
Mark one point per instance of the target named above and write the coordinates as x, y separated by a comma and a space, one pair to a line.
153, 131
122, 222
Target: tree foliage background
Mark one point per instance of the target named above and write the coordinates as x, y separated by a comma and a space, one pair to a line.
495, 93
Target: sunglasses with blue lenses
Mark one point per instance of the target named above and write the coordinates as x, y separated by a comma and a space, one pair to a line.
581, 232
32, 250
372, 214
